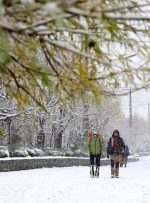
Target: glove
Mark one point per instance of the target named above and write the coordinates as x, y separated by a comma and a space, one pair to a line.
108, 156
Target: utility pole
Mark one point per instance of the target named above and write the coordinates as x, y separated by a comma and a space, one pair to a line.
149, 119
130, 108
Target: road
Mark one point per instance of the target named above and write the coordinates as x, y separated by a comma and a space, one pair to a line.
73, 185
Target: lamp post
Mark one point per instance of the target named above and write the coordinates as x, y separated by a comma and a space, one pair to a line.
41, 134
8, 121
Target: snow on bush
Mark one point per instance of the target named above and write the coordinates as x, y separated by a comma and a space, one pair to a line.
68, 153
38, 152
52, 152
31, 152
4, 153
19, 153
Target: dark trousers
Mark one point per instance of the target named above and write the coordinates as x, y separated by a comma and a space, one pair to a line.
125, 160
114, 168
95, 159
113, 163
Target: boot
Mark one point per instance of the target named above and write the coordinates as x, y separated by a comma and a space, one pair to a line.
97, 172
117, 172
92, 171
112, 172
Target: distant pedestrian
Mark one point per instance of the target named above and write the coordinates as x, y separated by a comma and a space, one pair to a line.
114, 151
121, 158
126, 153
95, 150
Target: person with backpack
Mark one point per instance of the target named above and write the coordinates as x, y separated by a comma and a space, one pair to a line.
126, 153
114, 152
95, 150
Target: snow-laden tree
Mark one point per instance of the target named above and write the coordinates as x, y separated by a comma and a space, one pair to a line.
137, 137
15, 125
66, 127
69, 126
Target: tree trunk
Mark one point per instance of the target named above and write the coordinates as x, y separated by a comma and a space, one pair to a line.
58, 141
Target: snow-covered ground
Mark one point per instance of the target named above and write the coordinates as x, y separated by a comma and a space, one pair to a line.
73, 185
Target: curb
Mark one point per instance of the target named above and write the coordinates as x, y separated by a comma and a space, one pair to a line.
17, 164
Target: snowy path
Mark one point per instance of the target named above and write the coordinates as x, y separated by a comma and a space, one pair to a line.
73, 185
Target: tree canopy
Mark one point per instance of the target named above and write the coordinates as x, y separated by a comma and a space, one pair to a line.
72, 47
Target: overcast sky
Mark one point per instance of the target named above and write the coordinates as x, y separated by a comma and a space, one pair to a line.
140, 102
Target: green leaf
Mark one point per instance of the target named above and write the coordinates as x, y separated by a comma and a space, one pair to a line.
1, 132
45, 80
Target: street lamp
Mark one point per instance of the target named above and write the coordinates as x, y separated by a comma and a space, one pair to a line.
41, 134
41, 139
8, 121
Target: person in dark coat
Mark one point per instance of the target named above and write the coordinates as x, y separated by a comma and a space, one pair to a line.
126, 153
114, 151
122, 161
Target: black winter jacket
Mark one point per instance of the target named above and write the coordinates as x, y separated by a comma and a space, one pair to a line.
126, 151
120, 147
